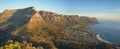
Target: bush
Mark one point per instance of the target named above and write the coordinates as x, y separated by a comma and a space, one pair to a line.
10, 44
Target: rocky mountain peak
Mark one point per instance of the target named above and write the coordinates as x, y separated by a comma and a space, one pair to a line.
31, 8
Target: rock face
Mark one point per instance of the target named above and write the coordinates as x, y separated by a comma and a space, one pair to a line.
90, 20
47, 29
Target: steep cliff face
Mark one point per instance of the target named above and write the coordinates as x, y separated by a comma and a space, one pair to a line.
16, 19
46, 28
62, 20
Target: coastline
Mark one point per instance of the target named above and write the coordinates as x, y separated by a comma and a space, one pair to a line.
99, 38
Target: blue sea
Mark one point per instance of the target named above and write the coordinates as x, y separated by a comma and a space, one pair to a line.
108, 30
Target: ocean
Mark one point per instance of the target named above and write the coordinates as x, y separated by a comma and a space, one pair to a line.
108, 30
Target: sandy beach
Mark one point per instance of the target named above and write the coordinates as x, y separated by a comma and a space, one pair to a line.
99, 38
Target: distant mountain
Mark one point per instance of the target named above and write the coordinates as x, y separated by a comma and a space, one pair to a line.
49, 30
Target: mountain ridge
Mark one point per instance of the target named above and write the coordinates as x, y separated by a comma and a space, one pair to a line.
48, 29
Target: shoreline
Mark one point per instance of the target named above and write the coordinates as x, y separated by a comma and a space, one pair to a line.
99, 38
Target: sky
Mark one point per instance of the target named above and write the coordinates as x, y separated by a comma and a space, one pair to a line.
109, 9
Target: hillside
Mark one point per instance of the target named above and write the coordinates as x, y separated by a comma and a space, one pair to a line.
48, 30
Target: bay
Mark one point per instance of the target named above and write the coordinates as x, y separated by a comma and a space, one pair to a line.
108, 30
